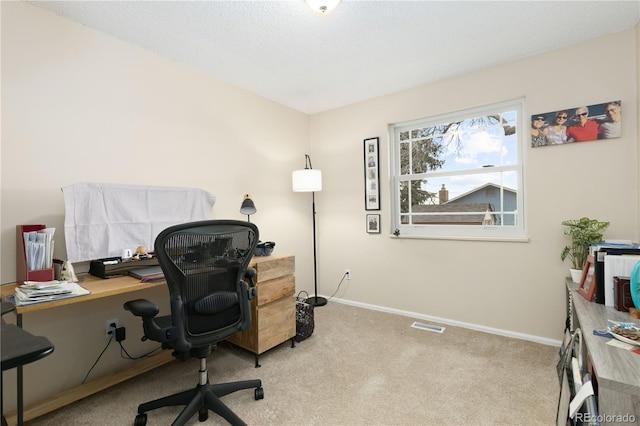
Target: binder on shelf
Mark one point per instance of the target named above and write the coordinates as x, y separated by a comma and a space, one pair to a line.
22, 272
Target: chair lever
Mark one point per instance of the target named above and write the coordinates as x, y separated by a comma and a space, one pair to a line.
170, 334
253, 292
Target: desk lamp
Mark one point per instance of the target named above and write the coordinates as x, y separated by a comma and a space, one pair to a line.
310, 180
248, 207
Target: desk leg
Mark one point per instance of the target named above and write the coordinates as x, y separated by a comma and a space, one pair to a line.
20, 406
4, 421
20, 395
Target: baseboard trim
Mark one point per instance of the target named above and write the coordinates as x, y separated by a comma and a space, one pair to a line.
476, 327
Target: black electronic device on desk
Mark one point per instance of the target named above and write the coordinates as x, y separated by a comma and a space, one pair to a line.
115, 266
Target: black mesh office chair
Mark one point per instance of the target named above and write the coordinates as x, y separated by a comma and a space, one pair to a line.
205, 264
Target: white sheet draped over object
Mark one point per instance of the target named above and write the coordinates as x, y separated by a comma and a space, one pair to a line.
103, 219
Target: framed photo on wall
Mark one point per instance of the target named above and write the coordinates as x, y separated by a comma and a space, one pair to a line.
373, 223
577, 124
371, 174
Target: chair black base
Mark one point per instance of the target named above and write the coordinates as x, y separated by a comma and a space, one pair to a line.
200, 400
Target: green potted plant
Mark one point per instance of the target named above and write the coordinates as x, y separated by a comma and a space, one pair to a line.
583, 232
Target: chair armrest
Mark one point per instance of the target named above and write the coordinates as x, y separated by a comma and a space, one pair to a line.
142, 308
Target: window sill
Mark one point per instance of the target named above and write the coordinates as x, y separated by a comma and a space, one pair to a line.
463, 238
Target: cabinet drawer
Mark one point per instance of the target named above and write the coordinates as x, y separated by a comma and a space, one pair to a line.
276, 323
274, 266
275, 289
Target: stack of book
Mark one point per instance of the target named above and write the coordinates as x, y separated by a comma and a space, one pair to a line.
37, 292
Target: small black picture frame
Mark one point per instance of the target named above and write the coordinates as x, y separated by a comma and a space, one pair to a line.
373, 223
371, 174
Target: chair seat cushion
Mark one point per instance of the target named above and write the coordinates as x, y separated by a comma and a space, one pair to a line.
19, 347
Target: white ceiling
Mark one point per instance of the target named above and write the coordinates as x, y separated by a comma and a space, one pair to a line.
363, 49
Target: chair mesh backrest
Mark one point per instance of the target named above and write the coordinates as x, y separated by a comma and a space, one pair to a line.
204, 264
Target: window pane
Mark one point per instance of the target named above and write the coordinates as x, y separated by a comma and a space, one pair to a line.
473, 199
425, 156
417, 196
404, 158
404, 197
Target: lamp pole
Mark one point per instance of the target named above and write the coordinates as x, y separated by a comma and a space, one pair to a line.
317, 300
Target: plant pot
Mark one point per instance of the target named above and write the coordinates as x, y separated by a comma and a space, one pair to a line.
576, 275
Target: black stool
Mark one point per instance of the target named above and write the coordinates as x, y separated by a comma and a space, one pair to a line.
19, 347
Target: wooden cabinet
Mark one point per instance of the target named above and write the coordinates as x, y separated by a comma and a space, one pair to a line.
273, 311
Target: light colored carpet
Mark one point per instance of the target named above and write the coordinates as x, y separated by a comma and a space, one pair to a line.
360, 367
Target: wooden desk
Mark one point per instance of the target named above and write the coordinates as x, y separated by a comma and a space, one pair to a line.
99, 288
617, 371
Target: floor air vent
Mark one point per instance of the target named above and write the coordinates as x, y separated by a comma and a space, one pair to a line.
428, 327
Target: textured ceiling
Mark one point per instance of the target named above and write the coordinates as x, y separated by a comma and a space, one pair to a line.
363, 49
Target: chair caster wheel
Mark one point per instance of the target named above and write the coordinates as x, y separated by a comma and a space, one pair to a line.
259, 393
141, 420
203, 415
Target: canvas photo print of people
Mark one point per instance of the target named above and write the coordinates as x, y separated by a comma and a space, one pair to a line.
577, 124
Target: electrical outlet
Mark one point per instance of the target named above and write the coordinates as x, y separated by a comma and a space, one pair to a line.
111, 330
347, 273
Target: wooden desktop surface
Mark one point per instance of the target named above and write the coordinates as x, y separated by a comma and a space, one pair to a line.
98, 287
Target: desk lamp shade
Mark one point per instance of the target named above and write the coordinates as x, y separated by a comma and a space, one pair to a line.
247, 206
307, 180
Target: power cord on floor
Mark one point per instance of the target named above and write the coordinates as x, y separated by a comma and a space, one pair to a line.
337, 289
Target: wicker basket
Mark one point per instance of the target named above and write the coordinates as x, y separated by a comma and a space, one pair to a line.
304, 318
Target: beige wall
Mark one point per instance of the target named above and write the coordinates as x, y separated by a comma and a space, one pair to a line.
517, 287
81, 106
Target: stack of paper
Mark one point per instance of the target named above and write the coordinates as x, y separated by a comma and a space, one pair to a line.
37, 292
38, 246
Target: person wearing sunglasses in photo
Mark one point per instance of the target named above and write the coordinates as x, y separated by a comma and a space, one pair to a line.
610, 128
537, 137
556, 132
583, 129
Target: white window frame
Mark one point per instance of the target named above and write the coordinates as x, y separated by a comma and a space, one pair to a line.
517, 232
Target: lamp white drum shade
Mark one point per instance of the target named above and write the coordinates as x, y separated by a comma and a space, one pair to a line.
307, 180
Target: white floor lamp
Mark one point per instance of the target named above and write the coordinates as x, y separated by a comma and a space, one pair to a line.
310, 180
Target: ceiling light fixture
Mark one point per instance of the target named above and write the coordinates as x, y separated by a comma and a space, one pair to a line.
322, 6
